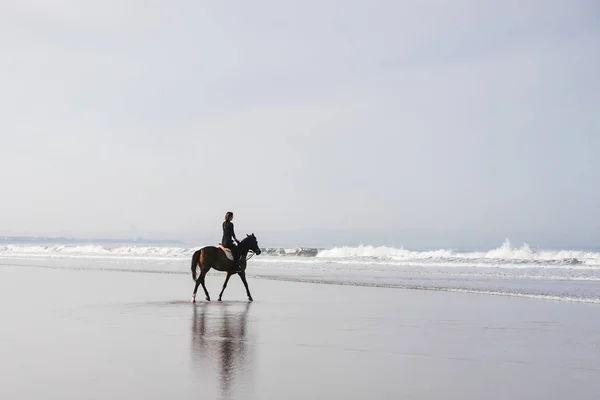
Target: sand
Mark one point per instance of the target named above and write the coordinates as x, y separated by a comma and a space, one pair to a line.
69, 334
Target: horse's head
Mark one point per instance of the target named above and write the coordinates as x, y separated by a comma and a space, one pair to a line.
253, 244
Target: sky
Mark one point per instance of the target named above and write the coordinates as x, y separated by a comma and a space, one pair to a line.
381, 122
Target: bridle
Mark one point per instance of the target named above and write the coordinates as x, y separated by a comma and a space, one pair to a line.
250, 254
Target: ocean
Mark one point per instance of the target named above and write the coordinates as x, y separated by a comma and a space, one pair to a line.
508, 270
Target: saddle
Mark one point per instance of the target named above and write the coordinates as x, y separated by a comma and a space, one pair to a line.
228, 253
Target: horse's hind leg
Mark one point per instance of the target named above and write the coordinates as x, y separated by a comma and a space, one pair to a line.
243, 277
224, 285
201, 279
195, 290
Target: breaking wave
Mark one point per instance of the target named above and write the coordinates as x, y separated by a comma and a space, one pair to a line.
96, 251
503, 254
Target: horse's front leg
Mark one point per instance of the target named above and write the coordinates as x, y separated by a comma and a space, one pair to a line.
224, 285
243, 278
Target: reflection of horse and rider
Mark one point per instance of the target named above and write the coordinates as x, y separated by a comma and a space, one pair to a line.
219, 335
216, 257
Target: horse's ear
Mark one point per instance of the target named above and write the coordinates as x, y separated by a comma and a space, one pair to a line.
253, 234
247, 235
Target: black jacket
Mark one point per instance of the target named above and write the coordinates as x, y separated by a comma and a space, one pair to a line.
228, 234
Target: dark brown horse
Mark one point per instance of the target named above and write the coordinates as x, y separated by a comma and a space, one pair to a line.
214, 257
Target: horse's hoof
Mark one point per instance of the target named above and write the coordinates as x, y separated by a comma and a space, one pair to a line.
193, 299
219, 299
250, 299
208, 299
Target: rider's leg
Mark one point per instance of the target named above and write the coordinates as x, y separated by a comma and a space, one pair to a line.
236, 257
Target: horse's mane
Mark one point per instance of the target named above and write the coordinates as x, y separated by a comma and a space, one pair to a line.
245, 241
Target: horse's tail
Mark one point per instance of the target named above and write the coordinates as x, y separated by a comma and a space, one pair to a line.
195, 259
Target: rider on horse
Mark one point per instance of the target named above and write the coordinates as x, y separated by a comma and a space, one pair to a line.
228, 238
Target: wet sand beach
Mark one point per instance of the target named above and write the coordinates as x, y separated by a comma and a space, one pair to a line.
85, 334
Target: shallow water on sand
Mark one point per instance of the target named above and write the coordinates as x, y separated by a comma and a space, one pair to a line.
82, 334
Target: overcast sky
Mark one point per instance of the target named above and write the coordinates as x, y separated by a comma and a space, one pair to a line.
423, 116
